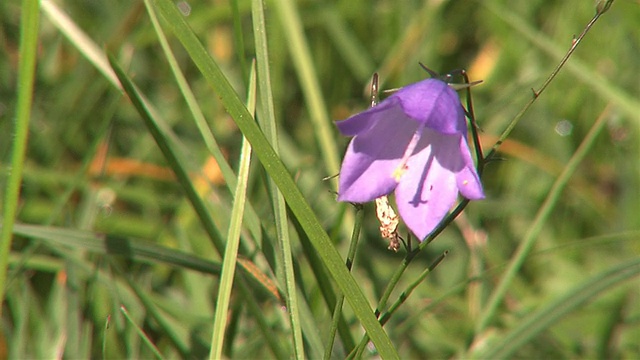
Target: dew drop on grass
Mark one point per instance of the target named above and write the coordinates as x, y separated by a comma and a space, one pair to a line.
564, 127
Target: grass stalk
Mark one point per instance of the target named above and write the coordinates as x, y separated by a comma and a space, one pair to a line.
29, 23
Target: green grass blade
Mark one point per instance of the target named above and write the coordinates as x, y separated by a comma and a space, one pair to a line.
233, 240
608, 91
299, 49
73, 307
251, 219
273, 341
553, 312
107, 323
82, 41
280, 175
123, 293
238, 38
525, 247
143, 336
29, 22
267, 121
163, 140
337, 310
230, 255
324, 284
158, 316
116, 246
310, 328
354, 52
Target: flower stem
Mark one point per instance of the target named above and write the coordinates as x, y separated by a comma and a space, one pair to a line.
523, 250
474, 127
405, 294
357, 352
481, 161
536, 93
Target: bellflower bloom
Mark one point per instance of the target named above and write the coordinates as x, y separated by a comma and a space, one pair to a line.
413, 142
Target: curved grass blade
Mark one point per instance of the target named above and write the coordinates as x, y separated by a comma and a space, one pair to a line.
251, 219
111, 245
536, 227
143, 336
553, 312
276, 169
163, 321
170, 153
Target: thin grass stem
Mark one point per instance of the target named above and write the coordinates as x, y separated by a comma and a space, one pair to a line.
143, 336
525, 247
230, 257
29, 23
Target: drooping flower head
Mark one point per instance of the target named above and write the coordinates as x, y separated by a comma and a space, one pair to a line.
413, 142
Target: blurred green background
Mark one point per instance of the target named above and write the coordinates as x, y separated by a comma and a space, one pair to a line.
102, 221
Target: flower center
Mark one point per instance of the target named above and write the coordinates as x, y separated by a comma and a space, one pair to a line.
402, 167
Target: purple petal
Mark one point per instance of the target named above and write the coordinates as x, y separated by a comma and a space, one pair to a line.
467, 178
371, 158
435, 104
428, 189
439, 169
363, 121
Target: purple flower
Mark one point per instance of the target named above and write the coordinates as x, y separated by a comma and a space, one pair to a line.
413, 142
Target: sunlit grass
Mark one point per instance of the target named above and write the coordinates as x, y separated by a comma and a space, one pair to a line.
122, 205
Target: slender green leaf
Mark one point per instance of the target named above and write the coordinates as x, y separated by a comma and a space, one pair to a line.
267, 120
553, 312
26, 72
251, 219
576, 67
163, 139
354, 52
543, 214
274, 167
82, 41
230, 258
116, 246
337, 310
141, 333
154, 312
302, 60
